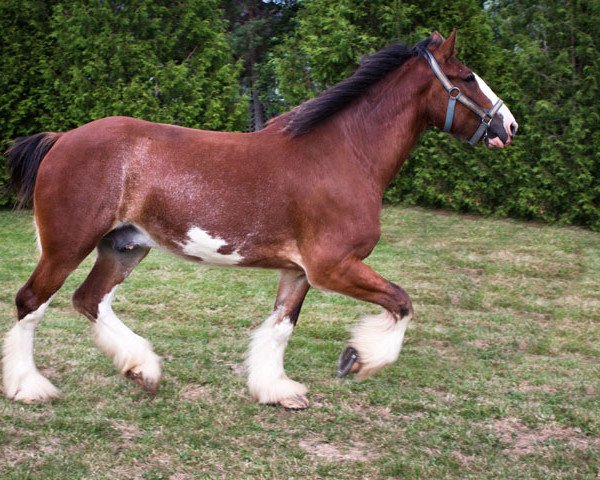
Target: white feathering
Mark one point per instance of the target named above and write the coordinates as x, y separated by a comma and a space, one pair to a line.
129, 351
21, 379
378, 341
267, 380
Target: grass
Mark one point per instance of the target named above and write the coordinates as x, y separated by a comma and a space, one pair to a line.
498, 378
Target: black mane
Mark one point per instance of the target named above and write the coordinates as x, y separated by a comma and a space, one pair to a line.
373, 68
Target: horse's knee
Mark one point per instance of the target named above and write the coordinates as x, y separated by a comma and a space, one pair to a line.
403, 302
26, 301
85, 305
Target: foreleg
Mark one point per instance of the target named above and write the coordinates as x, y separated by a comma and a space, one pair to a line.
267, 380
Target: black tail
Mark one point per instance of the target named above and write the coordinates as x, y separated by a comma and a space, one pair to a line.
24, 159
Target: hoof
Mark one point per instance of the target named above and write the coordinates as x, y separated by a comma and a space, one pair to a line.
151, 386
348, 362
34, 388
297, 402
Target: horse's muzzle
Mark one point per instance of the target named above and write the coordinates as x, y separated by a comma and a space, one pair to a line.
501, 132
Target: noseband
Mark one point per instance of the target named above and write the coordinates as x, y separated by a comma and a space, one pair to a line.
455, 95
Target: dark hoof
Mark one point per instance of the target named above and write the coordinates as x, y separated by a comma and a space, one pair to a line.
138, 379
348, 362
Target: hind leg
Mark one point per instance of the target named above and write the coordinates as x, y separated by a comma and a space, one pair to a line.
132, 355
21, 379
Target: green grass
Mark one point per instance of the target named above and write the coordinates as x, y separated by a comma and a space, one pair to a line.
498, 378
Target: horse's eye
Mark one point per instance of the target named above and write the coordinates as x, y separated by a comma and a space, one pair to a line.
470, 78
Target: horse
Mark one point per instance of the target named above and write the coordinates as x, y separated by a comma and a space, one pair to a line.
303, 196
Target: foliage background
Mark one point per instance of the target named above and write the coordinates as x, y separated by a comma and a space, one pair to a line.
233, 64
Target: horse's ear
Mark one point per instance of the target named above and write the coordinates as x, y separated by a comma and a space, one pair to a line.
436, 39
446, 49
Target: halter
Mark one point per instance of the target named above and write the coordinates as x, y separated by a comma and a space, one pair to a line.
455, 95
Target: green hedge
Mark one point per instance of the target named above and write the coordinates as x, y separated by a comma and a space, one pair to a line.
66, 63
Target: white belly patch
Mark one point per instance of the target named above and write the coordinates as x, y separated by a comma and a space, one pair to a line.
200, 244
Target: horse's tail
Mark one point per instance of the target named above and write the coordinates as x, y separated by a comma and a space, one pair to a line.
23, 161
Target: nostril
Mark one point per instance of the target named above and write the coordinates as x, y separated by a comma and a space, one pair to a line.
513, 128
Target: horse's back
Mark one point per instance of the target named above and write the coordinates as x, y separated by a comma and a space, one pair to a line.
107, 156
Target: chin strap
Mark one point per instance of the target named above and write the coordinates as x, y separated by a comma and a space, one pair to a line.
455, 95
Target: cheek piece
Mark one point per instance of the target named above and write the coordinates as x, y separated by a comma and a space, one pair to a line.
486, 116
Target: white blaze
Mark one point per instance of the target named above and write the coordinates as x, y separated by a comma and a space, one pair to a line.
201, 244
504, 111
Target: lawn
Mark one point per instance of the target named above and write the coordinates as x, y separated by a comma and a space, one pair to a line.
499, 376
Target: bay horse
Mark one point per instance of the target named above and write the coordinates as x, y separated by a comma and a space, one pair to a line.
303, 196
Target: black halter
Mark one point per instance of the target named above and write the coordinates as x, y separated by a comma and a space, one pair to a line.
455, 95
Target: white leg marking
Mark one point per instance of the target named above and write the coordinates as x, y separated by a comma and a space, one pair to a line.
267, 380
21, 379
378, 340
201, 244
129, 351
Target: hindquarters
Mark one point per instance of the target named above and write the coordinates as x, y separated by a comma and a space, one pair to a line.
74, 207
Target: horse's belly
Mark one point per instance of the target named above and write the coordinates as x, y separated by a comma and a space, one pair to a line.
211, 250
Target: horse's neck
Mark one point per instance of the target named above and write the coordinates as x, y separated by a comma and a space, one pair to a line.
384, 126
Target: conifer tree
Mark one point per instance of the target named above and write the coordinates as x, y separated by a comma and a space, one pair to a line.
66, 63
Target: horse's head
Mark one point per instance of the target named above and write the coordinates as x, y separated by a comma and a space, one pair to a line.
460, 102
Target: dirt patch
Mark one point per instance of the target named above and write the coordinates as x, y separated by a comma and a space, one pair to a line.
237, 368
336, 452
528, 388
13, 453
544, 318
375, 414
195, 392
480, 343
409, 417
100, 380
471, 272
443, 348
464, 460
440, 395
182, 476
513, 257
160, 458
101, 404
128, 432
48, 372
133, 471
580, 302
521, 440
589, 390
